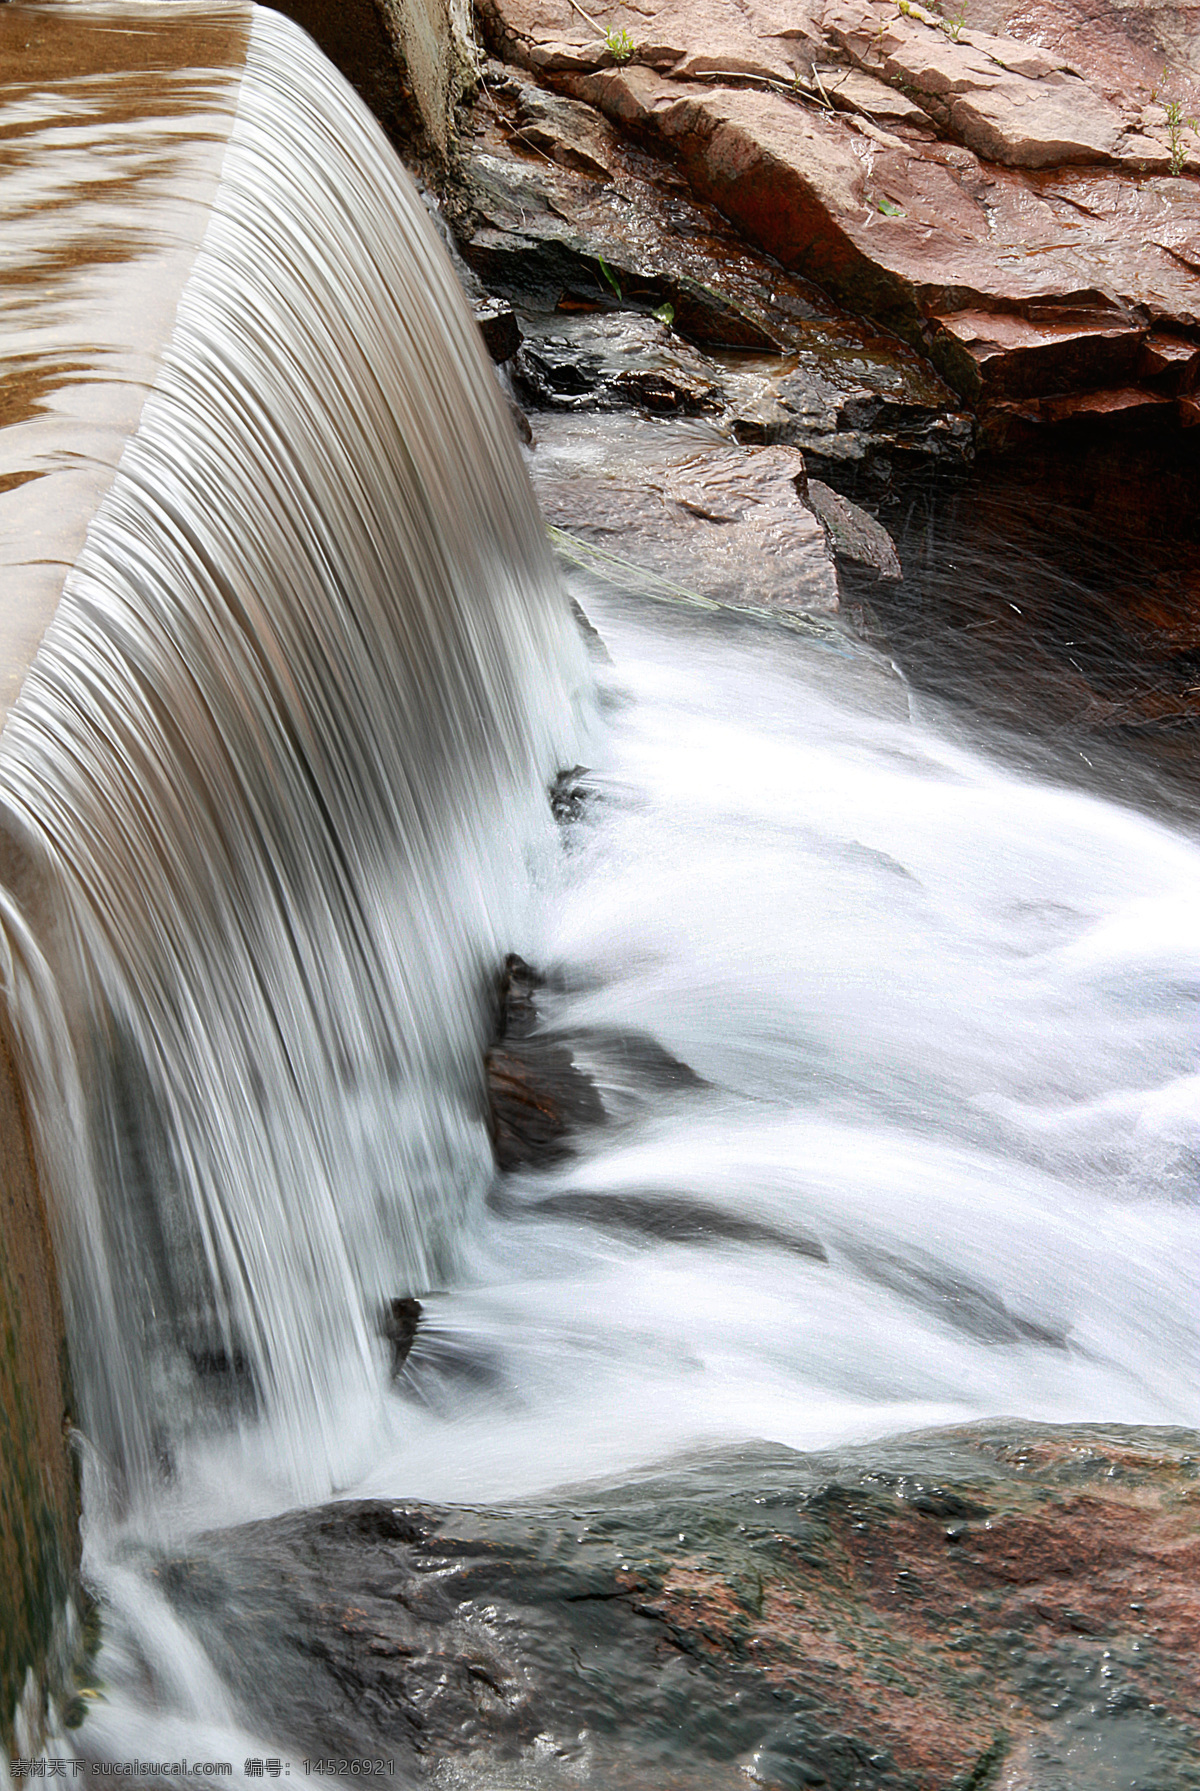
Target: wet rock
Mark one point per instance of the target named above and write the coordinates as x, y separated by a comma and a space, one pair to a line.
568, 132
669, 1217
519, 984
566, 248
698, 521
853, 535
501, 331
548, 233
520, 421
611, 363
1007, 206
998, 1604
537, 1097
1009, 356
570, 794
398, 1326
800, 1754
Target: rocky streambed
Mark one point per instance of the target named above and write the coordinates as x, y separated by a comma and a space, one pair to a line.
949, 261
883, 326
1004, 1605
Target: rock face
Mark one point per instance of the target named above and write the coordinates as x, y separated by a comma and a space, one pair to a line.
620, 275
1008, 1606
1025, 214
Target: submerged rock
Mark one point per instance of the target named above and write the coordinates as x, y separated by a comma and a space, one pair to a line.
1001, 1604
536, 1095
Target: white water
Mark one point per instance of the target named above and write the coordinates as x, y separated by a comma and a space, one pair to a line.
947, 1019
945, 1015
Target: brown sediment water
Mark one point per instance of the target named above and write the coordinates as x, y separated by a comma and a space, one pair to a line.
113, 123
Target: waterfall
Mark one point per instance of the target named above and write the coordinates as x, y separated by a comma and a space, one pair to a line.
273, 782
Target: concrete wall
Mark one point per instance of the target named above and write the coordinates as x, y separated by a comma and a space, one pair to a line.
79, 347
408, 59
39, 1545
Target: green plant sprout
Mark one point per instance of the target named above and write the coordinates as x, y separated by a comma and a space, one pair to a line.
889, 208
953, 26
611, 278
665, 314
619, 44
1176, 123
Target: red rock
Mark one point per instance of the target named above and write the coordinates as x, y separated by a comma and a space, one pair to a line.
1173, 360
1006, 355
1125, 403
1054, 205
1003, 101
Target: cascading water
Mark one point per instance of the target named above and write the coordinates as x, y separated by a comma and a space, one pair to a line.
278, 765
278, 775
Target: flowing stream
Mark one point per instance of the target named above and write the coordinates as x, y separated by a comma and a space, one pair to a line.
283, 762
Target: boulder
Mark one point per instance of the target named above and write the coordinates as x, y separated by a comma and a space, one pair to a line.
688, 521
998, 1604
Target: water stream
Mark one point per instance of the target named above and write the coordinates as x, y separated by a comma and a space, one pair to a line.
283, 762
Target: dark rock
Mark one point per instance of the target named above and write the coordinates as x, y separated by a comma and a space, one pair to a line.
610, 363
672, 1218
852, 534
519, 983
501, 331
926, 1612
398, 1325
570, 794
536, 1099
536, 1095
447, 1371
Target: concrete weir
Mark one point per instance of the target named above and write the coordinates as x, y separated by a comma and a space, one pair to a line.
113, 121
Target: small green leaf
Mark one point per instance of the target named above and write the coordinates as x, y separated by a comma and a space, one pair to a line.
665, 315
889, 210
610, 277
